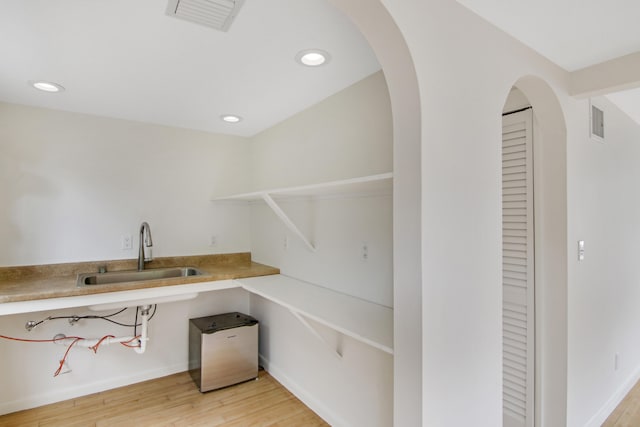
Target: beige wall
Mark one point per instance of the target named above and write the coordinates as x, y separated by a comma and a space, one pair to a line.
465, 69
73, 184
346, 135
603, 315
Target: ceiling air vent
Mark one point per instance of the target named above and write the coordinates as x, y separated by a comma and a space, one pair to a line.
217, 14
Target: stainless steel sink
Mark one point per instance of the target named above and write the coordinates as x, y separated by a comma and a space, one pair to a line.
88, 279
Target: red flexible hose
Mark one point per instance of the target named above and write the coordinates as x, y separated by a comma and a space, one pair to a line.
75, 340
64, 358
95, 347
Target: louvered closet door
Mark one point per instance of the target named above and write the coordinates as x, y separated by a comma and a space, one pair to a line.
517, 270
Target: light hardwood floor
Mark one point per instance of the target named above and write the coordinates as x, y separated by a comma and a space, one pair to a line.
627, 414
175, 401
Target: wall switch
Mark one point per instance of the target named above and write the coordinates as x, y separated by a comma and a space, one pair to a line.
581, 250
127, 242
364, 251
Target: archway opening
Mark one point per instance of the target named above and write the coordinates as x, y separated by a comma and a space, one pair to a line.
548, 228
385, 38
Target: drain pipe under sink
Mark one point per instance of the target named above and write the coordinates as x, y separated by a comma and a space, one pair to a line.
144, 313
92, 342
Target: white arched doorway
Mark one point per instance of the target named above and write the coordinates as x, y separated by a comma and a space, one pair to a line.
548, 222
385, 38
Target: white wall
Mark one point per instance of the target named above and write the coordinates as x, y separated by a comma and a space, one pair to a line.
389, 45
340, 137
352, 391
515, 101
96, 162
340, 227
345, 136
73, 184
465, 70
604, 290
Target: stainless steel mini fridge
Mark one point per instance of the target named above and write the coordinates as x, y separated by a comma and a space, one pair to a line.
223, 350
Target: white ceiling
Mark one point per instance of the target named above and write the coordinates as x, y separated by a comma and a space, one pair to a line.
127, 59
572, 33
628, 101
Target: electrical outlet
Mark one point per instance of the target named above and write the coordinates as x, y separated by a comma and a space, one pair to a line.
285, 242
364, 251
127, 243
213, 241
616, 361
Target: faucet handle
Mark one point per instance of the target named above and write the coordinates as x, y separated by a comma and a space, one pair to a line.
148, 255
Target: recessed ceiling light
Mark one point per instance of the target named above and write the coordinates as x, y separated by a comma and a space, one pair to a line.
231, 118
313, 57
46, 86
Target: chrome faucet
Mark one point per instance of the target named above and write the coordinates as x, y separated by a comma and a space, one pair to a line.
147, 242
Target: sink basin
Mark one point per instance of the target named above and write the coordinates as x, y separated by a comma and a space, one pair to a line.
88, 279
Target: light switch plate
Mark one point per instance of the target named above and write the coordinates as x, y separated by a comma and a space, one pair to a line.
581, 250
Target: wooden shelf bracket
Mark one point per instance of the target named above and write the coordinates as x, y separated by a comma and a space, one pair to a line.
370, 184
313, 330
286, 220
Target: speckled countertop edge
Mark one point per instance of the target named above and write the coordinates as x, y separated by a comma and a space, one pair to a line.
28, 283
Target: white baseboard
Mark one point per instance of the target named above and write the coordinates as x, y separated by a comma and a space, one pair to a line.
36, 400
304, 395
604, 412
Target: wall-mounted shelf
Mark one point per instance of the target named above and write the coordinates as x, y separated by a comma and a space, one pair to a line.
359, 319
362, 185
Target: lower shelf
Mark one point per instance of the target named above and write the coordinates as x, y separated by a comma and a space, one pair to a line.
361, 320
364, 321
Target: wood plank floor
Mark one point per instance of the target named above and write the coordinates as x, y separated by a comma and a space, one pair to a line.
175, 401
627, 414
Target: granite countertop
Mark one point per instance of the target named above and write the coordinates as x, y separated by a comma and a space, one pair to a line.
28, 283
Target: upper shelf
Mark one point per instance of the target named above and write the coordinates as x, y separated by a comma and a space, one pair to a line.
364, 184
